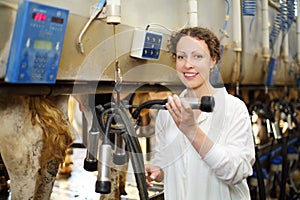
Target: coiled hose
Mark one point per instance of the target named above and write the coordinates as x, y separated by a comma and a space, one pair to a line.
283, 20
249, 9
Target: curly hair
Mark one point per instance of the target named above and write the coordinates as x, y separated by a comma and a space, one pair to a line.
199, 33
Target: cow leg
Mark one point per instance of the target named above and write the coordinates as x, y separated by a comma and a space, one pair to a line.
45, 179
26, 149
21, 145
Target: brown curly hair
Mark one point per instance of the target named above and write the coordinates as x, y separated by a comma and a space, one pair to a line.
199, 33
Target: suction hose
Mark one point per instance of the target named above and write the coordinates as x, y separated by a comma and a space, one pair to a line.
135, 152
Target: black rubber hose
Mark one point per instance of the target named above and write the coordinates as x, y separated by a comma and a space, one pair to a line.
138, 167
282, 195
107, 127
136, 154
147, 104
260, 177
102, 117
284, 141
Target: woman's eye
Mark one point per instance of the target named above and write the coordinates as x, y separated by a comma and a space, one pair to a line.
198, 56
179, 57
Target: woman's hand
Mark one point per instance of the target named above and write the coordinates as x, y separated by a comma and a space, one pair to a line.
183, 115
153, 173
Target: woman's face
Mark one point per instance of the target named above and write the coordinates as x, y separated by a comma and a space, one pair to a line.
193, 62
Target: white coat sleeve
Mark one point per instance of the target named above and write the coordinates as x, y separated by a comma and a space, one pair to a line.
232, 158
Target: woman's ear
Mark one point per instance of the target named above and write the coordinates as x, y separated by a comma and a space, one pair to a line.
213, 63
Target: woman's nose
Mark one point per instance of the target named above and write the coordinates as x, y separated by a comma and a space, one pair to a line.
188, 64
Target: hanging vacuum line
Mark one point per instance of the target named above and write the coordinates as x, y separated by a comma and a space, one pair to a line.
118, 73
114, 18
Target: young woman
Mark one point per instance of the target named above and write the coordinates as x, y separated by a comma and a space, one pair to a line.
202, 155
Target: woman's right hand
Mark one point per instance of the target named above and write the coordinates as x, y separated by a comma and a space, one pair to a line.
153, 173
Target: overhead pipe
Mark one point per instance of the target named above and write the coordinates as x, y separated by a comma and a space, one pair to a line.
285, 42
237, 39
193, 13
237, 28
298, 34
265, 29
285, 50
265, 34
113, 12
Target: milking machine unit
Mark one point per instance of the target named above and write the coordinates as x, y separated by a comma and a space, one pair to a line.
274, 135
285, 115
114, 119
91, 162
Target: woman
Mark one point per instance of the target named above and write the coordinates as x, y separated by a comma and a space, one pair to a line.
202, 155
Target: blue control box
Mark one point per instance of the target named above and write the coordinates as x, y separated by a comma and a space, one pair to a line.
36, 44
146, 44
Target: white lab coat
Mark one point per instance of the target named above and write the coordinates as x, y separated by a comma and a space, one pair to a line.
222, 173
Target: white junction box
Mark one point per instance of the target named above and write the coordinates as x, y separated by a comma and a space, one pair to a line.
146, 44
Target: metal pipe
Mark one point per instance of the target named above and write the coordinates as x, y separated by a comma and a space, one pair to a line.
286, 48
237, 67
265, 29
237, 39
193, 13
113, 12
94, 14
237, 28
298, 33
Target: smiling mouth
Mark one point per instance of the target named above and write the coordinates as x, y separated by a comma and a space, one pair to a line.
190, 75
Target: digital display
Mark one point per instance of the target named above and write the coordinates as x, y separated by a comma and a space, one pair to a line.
57, 20
38, 16
42, 44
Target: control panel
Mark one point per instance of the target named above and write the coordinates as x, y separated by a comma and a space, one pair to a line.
146, 44
36, 44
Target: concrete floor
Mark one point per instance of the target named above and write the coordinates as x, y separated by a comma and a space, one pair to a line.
81, 183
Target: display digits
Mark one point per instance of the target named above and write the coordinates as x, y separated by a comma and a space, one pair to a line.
37, 16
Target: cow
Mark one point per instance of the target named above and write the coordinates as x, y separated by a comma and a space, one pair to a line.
34, 136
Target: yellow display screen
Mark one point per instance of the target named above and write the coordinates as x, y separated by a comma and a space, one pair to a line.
42, 44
